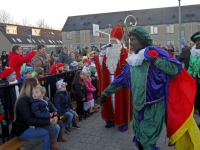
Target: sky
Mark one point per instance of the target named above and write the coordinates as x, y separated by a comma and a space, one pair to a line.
55, 12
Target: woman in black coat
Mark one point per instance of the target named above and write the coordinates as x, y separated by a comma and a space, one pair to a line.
26, 126
4, 59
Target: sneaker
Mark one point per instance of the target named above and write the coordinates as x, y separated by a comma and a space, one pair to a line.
67, 129
74, 125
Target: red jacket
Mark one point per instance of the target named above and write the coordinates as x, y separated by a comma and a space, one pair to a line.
16, 61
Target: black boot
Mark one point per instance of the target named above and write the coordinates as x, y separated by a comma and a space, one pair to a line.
89, 113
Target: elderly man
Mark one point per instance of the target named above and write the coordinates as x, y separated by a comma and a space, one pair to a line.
42, 59
149, 75
116, 110
65, 56
16, 59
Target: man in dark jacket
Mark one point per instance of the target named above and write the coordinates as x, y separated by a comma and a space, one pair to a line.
184, 57
63, 104
65, 56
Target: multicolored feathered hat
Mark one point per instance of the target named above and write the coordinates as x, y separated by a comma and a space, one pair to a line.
7, 73
90, 53
59, 65
54, 69
74, 64
25, 69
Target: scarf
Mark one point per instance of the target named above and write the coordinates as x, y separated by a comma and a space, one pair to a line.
16, 88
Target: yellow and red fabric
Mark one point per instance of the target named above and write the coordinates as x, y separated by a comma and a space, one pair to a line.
182, 130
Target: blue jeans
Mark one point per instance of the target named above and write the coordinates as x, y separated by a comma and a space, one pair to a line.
37, 132
71, 116
53, 131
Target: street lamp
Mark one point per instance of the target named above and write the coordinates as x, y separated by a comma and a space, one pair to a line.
179, 12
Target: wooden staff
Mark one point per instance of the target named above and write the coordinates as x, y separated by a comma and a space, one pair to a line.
127, 30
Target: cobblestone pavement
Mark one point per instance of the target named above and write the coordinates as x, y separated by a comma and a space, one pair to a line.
94, 136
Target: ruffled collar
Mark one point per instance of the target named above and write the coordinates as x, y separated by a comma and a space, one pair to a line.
136, 59
195, 52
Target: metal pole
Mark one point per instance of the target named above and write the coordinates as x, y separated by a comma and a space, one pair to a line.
180, 39
31, 42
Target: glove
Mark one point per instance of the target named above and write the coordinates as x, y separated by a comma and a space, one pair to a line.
103, 100
153, 54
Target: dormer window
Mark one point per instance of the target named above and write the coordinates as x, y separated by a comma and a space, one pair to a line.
36, 32
11, 29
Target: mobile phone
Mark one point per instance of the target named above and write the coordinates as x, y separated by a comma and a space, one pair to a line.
52, 53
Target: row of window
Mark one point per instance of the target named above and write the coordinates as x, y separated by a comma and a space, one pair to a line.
78, 46
153, 30
41, 41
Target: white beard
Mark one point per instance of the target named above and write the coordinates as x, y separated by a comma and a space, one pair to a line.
113, 57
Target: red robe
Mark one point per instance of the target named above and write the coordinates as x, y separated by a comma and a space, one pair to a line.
122, 97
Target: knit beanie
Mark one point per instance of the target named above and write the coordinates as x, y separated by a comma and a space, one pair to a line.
60, 84
143, 35
7, 73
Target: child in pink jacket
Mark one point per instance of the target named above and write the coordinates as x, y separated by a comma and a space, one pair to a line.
90, 89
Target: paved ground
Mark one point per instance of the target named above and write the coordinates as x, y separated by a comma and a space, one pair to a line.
94, 136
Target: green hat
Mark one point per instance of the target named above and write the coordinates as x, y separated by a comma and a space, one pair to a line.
195, 36
143, 35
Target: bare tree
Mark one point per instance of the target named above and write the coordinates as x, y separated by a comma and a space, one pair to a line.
24, 22
41, 23
5, 17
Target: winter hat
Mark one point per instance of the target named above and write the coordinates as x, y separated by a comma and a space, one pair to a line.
60, 84
92, 68
90, 53
25, 69
59, 65
84, 57
85, 61
195, 36
143, 35
74, 64
7, 73
85, 69
53, 69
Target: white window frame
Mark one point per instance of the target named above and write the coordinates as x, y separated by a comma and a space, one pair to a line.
68, 35
155, 41
169, 28
169, 42
154, 29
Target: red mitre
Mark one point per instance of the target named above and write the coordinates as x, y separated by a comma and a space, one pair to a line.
117, 32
